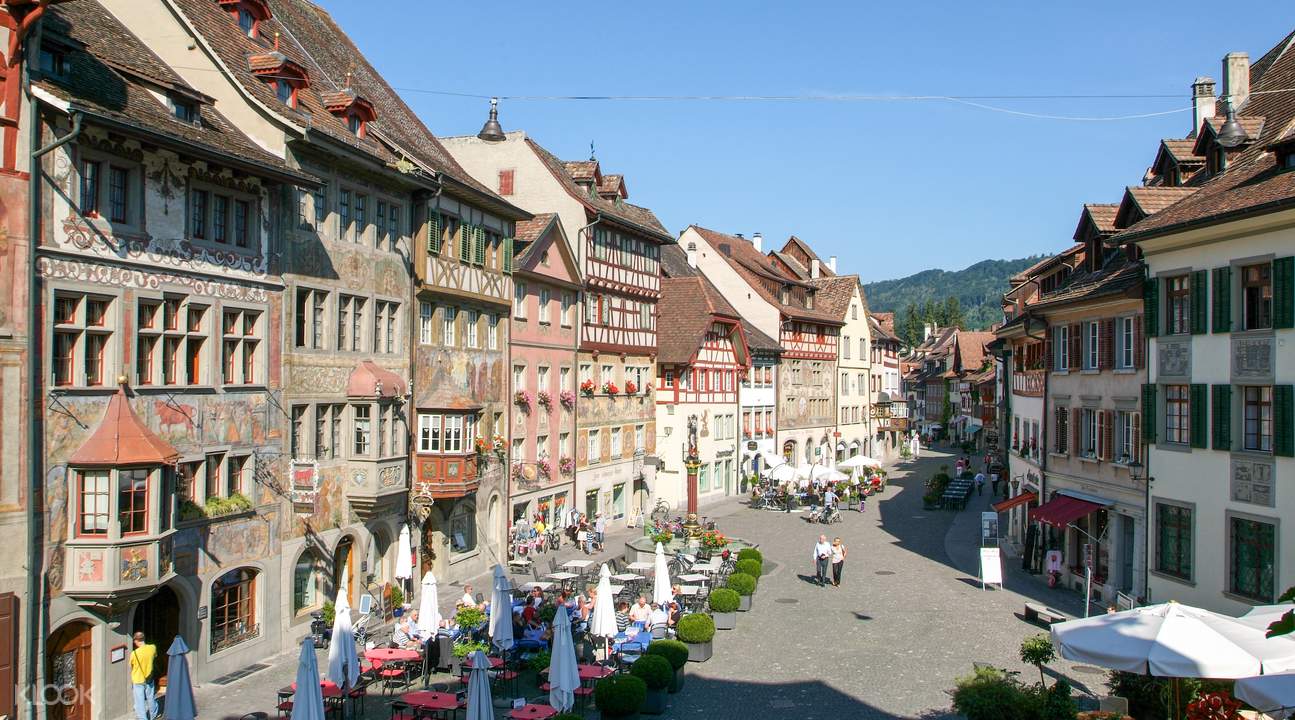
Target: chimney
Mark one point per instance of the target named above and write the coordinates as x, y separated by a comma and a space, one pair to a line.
831, 264
758, 241
814, 270
1236, 78
927, 330
692, 254
1202, 102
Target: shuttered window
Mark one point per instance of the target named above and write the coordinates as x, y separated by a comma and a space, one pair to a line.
1222, 407
1284, 420
1222, 300
434, 234
1284, 293
1149, 413
479, 246
1199, 303
1198, 425
508, 254
1151, 306
465, 242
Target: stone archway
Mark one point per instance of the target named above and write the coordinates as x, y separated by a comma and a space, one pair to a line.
158, 617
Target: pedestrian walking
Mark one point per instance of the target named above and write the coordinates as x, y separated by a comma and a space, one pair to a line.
980, 483
600, 527
822, 554
141, 678
838, 561
863, 499
582, 537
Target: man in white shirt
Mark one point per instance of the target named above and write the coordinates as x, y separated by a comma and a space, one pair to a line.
641, 612
659, 616
822, 552
980, 483
467, 600
829, 500
600, 526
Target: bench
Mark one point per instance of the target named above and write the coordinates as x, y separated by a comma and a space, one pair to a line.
1043, 615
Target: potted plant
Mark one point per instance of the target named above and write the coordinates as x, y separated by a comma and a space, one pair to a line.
677, 653
750, 554
631, 387
469, 618
587, 388
397, 600
540, 661
620, 696
656, 673
744, 586
610, 388
544, 399
664, 537
724, 603
523, 400
749, 566
697, 631
568, 399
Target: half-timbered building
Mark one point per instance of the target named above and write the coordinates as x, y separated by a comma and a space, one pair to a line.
703, 358
618, 246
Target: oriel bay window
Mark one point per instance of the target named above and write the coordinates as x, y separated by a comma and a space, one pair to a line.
448, 433
112, 503
362, 429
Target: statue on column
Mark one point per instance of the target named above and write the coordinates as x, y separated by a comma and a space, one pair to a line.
692, 464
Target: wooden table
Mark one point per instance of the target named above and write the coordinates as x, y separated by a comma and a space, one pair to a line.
429, 700
533, 712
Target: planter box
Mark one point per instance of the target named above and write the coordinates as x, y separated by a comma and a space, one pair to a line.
655, 703
676, 682
700, 652
745, 603
724, 621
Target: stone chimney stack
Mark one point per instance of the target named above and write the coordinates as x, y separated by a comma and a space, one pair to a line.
1202, 102
758, 241
928, 329
1236, 78
814, 270
831, 264
692, 254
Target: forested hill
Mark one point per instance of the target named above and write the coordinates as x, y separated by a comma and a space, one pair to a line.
978, 290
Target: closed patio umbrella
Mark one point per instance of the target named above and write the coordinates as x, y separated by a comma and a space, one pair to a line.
602, 623
308, 698
661, 594
404, 556
429, 608
564, 677
1271, 694
343, 663
179, 688
480, 704
501, 611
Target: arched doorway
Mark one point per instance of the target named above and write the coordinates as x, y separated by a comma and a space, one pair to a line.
158, 618
70, 657
435, 547
344, 568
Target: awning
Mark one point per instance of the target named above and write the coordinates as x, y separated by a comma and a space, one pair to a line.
1063, 510
1008, 504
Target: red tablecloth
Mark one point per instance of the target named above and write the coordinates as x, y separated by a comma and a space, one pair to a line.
431, 700
593, 672
326, 687
390, 655
494, 662
533, 712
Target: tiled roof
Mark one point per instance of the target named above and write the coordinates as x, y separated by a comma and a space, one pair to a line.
582, 170
687, 307
971, 348
613, 185
1046, 263
109, 74
792, 265
1253, 125
755, 268
805, 254
122, 439
1182, 150
1252, 181
1151, 200
883, 330
634, 215
1102, 215
674, 263
527, 232
757, 341
834, 293
1118, 275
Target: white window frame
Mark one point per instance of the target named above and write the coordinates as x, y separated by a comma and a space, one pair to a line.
474, 317
1125, 335
449, 320
595, 447
519, 300
545, 312
425, 315
1092, 345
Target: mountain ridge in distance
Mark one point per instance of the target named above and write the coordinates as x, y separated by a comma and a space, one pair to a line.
979, 288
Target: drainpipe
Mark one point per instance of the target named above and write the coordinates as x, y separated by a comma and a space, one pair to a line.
35, 552
581, 232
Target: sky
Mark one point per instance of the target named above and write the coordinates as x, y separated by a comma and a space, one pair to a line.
891, 187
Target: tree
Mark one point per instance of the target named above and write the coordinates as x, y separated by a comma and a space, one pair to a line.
910, 326
952, 312
1038, 651
1285, 625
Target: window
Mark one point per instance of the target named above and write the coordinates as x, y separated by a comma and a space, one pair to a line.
1251, 566
234, 471
90, 188
307, 583
1177, 411
220, 219
183, 110
1174, 540
564, 379
703, 478
474, 318
1088, 432
297, 445
81, 336
384, 326
586, 373
393, 226
545, 313
449, 319
1061, 347
425, 323
198, 213
93, 503
618, 501
211, 485
451, 433
233, 608
1062, 440
1126, 437
1257, 296
361, 217
362, 429
247, 22
567, 301
242, 214
343, 213
1124, 330
519, 378
492, 336
310, 319
1259, 419
118, 193
463, 528
845, 347
506, 178
355, 124
845, 384
640, 438
350, 323
1178, 305
595, 447
519, 300
617, 449
53, 61
429, 433
1092, 345
320, 201
240, 340
542, 379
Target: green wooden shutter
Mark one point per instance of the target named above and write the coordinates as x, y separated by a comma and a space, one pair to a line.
1222, 407
508, 254
481, 246
434, 233
465, 242
1151, 307
1284, 420
1200, 301
1199, 415
1284, 292
1222, 300
1149, 412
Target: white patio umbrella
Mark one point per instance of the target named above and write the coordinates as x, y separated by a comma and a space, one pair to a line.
343, 663
603, 621
429, 604
782, 473
480, 704
772, 460
661, 594
1270, 694
564, 677
404, 556
501, 611
859, 461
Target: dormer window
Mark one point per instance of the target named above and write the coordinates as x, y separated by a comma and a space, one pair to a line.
1288, 161
284, 76
53, 61
809, 301
353, 109
286, 93
183, 110
355, 124
249, 14
247, 22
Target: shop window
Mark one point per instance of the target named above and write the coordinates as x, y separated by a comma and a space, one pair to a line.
463, 528
233, 609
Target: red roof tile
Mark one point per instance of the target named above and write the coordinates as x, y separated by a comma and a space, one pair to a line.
687, 307
755, 268
632, 216
122, 439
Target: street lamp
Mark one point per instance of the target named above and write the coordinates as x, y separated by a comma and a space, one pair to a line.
1231, 134
492, 131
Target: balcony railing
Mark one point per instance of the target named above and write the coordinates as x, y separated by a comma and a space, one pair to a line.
1029, 383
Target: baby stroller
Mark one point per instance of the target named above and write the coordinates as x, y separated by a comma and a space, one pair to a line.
830, 514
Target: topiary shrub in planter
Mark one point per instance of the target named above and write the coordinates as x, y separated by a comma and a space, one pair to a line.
620, 696
677, 654
750, 554
723, 608
749, 566
657, 673
744, 586
697, 631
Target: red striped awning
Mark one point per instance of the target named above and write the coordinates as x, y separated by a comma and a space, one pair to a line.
1062, 510
1008, 504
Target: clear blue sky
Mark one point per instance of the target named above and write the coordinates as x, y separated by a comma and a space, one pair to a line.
890, 187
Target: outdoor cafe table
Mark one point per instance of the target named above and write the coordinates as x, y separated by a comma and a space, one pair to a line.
709, 567
689, 590
386, 655
694, 578
562, 576
577, 564
641, 566
542, 585
593, 672
430, 700
327, 688
533, 712
495, 663
627, 577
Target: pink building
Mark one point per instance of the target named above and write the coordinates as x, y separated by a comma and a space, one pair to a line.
544, 325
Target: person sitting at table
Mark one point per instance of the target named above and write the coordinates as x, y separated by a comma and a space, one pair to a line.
641, 612
658, 617
467, 600
622, 616
403, 636
674, 614
416, 631
537, 597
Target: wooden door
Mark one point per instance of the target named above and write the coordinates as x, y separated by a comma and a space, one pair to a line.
69, 666
158, 618
8, 654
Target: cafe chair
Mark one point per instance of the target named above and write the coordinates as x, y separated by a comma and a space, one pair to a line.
393, 674
402, 711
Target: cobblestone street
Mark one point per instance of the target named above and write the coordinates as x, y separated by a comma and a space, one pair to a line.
908, 618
